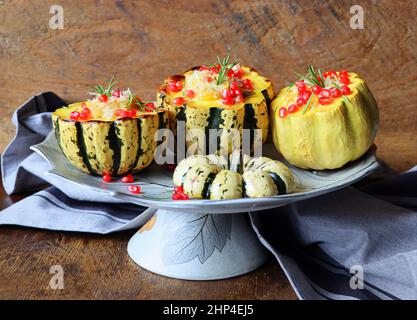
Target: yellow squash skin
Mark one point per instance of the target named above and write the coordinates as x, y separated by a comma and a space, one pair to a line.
326, 136
108, 147
208, 113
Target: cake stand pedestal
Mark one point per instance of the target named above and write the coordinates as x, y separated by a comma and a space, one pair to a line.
197, 246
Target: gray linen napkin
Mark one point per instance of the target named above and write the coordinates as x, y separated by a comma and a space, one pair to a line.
63, 206
316, 241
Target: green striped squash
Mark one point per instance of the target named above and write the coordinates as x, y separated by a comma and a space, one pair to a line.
212, 114
109, 147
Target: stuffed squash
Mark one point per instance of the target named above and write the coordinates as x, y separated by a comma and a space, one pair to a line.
324, 120
202, 177
224, 96
110, 134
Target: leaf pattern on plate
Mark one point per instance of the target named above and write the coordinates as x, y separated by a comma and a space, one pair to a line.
196, 237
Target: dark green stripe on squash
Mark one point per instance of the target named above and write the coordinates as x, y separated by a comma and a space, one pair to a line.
181, 116
139, 152
115, 144
266, 96
58, 133
250, 122
205, 194
82, 147
282, 188
213, 122
161, 120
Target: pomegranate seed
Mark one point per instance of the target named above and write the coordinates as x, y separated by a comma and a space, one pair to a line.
75, 115
283, 112
128, 179
178, 189
234, 85
236, 92
292, 108
203, 68
332, 74
134, 189
182, 196
116, 93
306, 95
132, 113
120, 113
208, 79
325, 74
229, 101
150, 105
300, 102
247, 84
103, 98
178, 101
346, 90
238, 73
336, 93
239, 98
226, 94
107, 177
345, 81
325, 100
317, 89
301, 88
324, 93
173, 87
175, 196
83, 116
179, 85
171, 167
344, 73
190, 93
86, 110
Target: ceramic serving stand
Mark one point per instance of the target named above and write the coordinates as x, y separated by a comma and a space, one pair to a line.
201, 239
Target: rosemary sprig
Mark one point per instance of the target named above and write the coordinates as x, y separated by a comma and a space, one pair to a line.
308, 103
100, 90
311, 78
343, 96
225, 67
133, 98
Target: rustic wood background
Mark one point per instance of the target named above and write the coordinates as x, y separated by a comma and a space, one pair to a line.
144, 41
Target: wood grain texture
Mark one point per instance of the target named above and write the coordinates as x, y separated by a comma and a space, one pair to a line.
98, 267
144, 41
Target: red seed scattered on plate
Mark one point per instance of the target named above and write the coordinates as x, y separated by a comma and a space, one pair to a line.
178, 189
128, 179
106, 177
134, 189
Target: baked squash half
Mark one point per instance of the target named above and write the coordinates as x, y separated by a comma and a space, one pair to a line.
224, 96
113, 133
324, 120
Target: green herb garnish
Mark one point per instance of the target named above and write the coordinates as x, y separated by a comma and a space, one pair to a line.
225, 67
308, 102
311, 77
100, 90
133, 98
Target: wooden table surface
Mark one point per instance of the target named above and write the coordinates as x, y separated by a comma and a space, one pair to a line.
144, 41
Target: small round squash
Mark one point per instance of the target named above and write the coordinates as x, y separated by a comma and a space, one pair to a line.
330, 128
